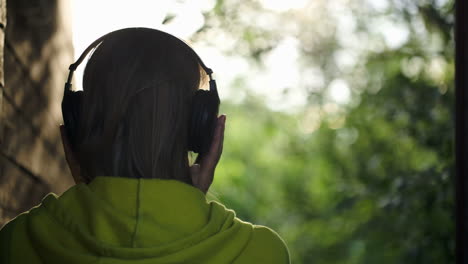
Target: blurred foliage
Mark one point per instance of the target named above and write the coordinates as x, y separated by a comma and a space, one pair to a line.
369, 181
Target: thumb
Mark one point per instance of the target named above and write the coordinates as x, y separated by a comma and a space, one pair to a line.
195, 173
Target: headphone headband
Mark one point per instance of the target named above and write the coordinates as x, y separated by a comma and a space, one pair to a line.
98, 41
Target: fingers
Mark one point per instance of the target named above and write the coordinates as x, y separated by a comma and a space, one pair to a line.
70, 157
202, 174
216, 147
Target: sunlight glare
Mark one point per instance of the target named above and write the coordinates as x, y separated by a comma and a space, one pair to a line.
338, 91
283, 6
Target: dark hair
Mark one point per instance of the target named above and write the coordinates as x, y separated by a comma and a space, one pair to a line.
138, 87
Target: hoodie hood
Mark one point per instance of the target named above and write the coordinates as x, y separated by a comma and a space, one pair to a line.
125, 220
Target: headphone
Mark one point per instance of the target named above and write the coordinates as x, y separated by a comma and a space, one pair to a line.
205, 104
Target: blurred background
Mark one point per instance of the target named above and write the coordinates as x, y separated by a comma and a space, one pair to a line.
339, 114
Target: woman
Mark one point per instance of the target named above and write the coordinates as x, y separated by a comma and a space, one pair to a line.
126, 140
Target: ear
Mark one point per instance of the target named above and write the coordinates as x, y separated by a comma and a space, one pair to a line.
70, 157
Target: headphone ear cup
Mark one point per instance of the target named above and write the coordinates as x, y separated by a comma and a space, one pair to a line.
205, 108
71, 109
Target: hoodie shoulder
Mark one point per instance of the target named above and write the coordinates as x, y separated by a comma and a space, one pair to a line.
7, 232
265, 246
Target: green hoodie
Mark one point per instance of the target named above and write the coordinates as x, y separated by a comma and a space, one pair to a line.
124, 220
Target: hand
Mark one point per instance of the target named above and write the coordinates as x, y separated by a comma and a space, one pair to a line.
70, 157
202, 173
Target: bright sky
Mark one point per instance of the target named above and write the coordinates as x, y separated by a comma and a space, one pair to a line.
92, 19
